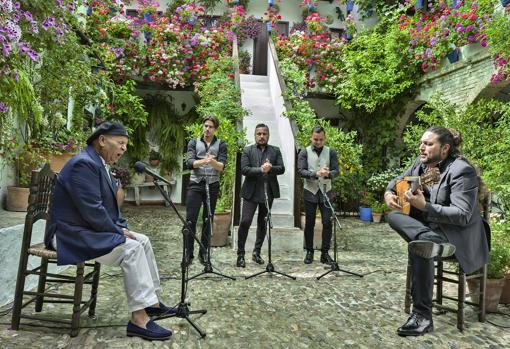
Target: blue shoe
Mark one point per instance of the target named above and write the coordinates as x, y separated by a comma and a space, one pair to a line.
162, 310
153, 332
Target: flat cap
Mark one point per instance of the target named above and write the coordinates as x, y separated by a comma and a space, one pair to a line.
108, 128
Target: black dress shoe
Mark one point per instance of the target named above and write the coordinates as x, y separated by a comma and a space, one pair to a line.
309, 257
429, 249
241, 263
326, 259
416, 325
256, 258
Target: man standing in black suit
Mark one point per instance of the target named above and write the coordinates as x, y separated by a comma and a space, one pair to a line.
260, 164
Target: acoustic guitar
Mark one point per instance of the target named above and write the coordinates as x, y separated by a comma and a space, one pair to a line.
428, 178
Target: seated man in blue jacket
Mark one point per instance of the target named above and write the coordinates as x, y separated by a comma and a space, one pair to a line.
86, 224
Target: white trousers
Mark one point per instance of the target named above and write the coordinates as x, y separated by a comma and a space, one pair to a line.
138, 264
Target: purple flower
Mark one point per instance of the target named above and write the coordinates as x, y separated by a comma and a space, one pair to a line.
33, 55
469, 28
28, 16
17, 5
60, 4
35, 28
460, 29
433, 41
71, 6
3, 107
483, 43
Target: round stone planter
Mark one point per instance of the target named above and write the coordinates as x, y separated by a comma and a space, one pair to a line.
17, 198
492, 293
221, 227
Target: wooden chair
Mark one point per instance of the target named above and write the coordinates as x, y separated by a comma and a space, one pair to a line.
41, 188
454, 275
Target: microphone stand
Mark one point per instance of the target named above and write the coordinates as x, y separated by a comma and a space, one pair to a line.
334, 266
269, 225
183, 310
208, 269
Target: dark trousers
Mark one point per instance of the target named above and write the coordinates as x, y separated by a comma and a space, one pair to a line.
249, 208
326, 214
422, 282
195, 198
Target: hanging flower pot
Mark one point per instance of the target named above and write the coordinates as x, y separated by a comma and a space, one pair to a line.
419, 4
89, 10
311, 6
148, 17
505, 3
349, 6
347, 35
191, 20
453, 56
269, 27
270, 2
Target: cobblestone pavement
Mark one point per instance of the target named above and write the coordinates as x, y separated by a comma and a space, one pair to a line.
339, 311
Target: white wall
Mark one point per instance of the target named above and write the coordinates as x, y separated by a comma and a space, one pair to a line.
6, 178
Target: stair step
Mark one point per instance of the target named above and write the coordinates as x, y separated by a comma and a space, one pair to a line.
254, 78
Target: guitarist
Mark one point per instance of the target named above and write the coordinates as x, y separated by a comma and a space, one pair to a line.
444, 219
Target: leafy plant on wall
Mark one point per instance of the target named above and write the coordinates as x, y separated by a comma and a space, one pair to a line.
343, 142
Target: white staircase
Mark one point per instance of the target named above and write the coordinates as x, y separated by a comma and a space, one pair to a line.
256, 97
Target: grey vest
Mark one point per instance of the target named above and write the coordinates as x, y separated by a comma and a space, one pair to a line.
199, 173
314, 164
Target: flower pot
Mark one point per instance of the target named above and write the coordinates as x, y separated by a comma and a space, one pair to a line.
492, 292
505, 294
89, 11
148, 17
269, 27
17, 198
154, 163
377, 217
349, 6
270, 2
365, 214
419, 4
505, 3
347, 35
221, 228
57, 161
453, 56
317, 231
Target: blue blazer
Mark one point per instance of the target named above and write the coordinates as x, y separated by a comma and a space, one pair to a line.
84, 213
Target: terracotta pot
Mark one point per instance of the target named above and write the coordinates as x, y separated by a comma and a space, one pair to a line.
221, 228
505, 294
154, 163
57, 161
17, 198
377, 217
317, 231
492, 293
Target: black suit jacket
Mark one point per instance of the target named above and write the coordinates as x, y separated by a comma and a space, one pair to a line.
454, 207
250, 168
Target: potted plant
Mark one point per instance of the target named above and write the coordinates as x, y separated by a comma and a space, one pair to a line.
377, 211
498, 267
27, 159
154, 158
366, 200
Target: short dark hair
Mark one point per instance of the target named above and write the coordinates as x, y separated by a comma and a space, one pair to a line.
262, 125
213, 119
318, 129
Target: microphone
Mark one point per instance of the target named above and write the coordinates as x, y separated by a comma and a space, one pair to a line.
140, 168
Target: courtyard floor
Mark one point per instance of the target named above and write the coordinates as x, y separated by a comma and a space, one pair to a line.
338, 311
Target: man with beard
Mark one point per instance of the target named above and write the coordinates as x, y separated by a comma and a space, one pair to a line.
207, 156
260, 164
86, 224
444, 219
317, 165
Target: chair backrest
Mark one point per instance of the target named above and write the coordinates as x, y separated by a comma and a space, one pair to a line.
41, 189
